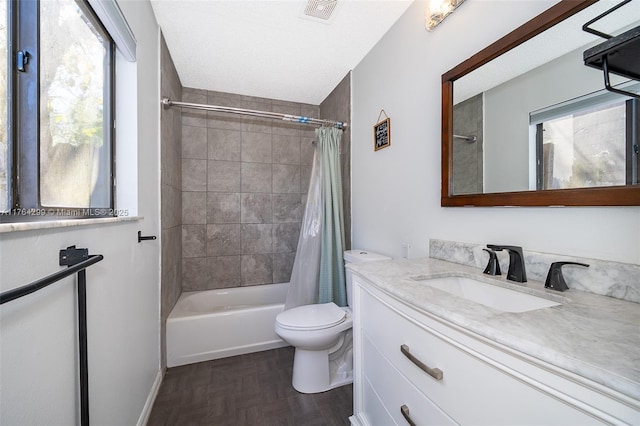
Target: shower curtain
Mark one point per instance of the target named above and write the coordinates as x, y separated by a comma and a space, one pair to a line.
332, 282
318, 269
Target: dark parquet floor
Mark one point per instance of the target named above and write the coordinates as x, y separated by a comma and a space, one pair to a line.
251, 389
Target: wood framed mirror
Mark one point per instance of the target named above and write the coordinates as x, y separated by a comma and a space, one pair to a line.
542, 183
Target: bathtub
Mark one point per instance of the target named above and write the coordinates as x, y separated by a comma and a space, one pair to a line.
212, 324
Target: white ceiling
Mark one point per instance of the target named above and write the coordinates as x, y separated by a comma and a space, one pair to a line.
265, 48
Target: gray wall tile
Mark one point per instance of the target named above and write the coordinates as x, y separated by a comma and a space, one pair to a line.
193, 117
224, 144
194, 142
256, 177
256, 147
285, 237
307, 147
256, 124
192, 94
194, 208
194, 175
242, 212
305, 178
194, 240
257, 269
219, 120
256, 208
171, 138
225, 99
286, 149
223, 239
195, 273
282, 266
286, 179
287, 208
171, 269
171, 198
468, 158
310, 110
257, 238
224, 271
285, 107
223, 176
223, 207
170, 206
285, 127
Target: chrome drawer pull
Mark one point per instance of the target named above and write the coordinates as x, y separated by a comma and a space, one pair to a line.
405, 413
436, 373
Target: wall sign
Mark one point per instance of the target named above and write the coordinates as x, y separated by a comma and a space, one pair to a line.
382, 132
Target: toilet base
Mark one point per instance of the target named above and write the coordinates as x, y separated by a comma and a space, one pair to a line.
320, 371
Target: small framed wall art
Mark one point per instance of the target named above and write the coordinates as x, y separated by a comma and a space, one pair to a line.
382, 132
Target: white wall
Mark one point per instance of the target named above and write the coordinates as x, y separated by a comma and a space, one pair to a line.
396, 191
38, 365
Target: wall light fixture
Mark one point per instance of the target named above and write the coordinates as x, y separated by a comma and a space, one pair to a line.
437, 10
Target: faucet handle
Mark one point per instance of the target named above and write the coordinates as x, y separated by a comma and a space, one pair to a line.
493, 266
555, 279
517, 271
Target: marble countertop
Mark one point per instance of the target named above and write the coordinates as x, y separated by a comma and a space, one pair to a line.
596, 337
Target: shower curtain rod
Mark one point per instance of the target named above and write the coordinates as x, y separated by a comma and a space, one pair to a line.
254, 113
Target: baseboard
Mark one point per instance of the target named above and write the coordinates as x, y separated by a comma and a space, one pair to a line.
153, 393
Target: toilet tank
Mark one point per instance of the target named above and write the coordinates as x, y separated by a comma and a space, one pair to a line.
358, 256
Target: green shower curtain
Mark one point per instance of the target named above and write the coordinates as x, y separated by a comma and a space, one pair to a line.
332, 279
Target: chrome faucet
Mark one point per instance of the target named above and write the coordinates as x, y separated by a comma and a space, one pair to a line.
517, 271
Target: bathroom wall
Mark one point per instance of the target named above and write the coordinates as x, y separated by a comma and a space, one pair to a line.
396, 191
244, 184
38, 333
337, 106
171, 192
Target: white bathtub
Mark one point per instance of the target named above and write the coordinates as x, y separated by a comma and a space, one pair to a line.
212, 324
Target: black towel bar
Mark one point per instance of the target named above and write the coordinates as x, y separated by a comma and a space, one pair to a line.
78, 260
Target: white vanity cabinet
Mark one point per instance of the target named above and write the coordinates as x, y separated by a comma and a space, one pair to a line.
413, 368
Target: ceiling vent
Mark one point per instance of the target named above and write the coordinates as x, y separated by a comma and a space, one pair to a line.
320, 10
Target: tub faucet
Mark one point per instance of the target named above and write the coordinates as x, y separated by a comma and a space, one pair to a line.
517, 271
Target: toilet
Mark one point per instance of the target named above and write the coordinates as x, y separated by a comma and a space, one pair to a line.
322, 337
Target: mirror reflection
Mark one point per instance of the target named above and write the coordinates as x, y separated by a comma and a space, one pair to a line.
537, 118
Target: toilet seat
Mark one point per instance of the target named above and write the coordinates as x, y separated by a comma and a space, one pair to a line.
312, 317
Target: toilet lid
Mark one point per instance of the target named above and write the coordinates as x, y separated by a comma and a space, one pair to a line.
312, 317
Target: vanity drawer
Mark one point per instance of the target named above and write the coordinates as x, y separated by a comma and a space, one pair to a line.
397, 394
374, 411
471, 390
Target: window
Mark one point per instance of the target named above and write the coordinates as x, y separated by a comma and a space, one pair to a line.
588, 142
56, 157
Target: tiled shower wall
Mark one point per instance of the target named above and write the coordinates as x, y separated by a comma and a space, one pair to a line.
171, 187
468, 166
244, 185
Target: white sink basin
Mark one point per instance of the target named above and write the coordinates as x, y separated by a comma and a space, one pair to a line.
493, 296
